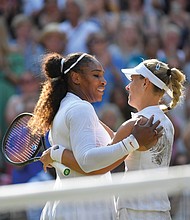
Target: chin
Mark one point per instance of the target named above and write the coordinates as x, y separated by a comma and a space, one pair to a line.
132, 104
97, 100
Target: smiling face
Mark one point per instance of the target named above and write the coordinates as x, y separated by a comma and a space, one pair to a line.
90, 82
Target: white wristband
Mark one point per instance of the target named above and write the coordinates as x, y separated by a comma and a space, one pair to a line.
56, 152
130, 143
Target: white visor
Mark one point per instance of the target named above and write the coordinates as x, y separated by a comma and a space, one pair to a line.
141, 69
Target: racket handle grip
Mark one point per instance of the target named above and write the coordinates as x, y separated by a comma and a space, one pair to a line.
63, 169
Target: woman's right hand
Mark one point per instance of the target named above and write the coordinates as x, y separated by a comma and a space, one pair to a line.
46, 160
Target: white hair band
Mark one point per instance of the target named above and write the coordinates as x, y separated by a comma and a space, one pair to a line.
74, 64
62, 62
141, 69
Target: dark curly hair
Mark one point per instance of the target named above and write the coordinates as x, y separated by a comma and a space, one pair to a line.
54, 88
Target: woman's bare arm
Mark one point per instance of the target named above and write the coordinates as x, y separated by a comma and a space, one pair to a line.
123, 131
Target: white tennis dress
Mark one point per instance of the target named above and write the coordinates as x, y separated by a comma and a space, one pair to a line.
76, 127
155, 206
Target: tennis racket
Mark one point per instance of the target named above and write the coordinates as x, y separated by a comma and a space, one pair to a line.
20, 147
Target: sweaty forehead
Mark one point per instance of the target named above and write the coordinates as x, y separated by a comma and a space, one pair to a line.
92, 65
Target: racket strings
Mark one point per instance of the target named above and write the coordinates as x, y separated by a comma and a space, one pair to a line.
21, 145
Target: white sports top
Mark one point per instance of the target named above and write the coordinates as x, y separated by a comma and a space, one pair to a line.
77, 127
158, 156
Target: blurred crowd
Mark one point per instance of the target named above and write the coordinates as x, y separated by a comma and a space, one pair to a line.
120, 33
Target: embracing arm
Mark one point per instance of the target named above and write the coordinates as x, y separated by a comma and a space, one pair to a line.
98, 160
123, 131
143, 130
69, 160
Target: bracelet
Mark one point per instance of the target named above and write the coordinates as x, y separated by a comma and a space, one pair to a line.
130, 143
56, 152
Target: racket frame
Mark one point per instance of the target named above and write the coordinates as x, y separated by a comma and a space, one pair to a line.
41, 146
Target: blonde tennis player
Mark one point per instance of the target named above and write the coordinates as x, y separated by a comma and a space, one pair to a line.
150, 81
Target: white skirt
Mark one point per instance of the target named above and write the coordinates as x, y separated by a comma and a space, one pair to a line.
77, 211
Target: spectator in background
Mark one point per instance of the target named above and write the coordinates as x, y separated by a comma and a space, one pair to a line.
187, 103
105, 14
111, 116
25, 34
156, 7
134, 12
119, 96
170, 41
9, 9
128, 46
178, 144
186, 66
152, 44
76, 27
11, 68
177, 115
50, 12
52, 39
186, 138
5, 178
32, 7
179, 16
146, 21
25, 99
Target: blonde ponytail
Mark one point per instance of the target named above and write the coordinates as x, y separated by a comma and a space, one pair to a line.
173, 78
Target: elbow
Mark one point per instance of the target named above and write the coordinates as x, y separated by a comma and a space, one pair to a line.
91, 169
86, 168
87, 164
